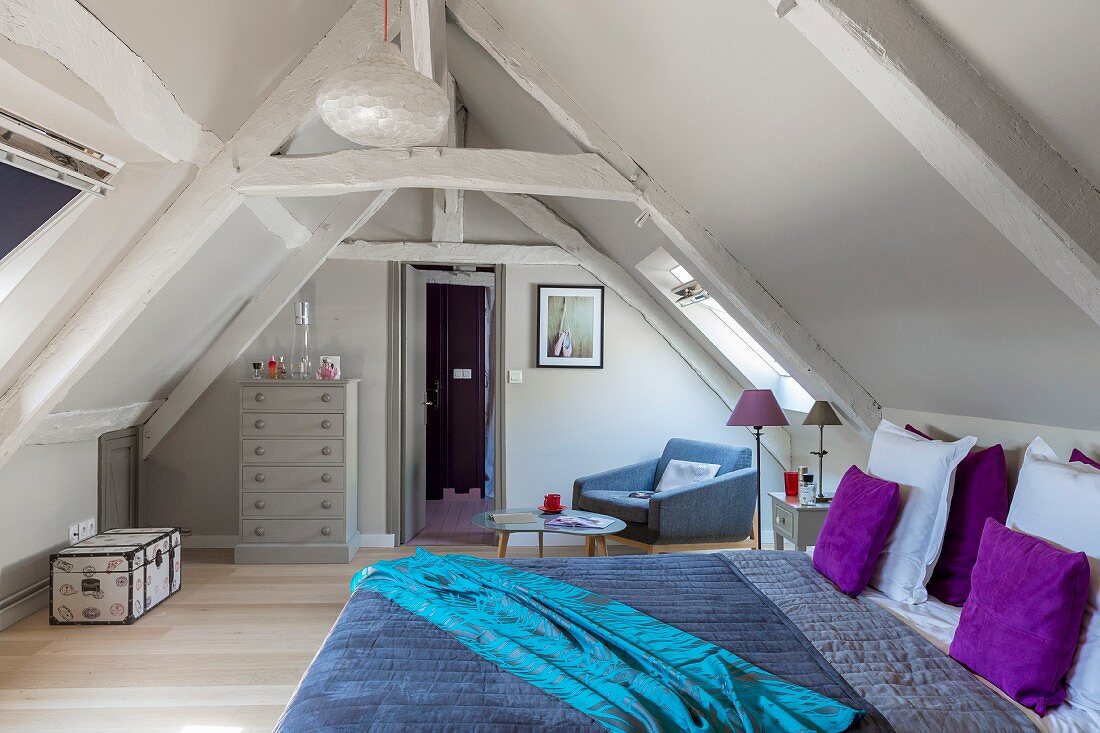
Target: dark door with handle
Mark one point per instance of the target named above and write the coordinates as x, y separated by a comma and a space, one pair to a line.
455, 388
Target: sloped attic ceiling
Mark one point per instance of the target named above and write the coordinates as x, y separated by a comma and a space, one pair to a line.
744, 122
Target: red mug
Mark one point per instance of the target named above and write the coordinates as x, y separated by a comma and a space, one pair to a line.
551, 501
790, 483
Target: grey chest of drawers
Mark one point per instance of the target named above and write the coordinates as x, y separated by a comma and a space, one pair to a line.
298, 472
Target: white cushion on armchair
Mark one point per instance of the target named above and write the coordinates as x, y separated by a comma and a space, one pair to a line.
684, 473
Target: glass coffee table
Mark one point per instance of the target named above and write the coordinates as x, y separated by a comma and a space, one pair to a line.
594, 539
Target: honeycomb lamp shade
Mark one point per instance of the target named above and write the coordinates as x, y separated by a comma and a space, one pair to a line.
383, 102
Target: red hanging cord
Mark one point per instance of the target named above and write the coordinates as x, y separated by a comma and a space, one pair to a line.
386, 20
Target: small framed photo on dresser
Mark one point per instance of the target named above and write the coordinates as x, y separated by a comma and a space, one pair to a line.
570, 326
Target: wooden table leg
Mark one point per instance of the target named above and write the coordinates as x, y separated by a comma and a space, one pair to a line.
540, 544
589, 546
502, 543
601, 545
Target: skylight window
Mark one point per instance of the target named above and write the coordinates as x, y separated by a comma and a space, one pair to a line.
681, 274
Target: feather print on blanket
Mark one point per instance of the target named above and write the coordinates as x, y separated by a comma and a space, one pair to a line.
627, 670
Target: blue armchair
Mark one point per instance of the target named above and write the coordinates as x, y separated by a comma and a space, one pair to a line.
718, 511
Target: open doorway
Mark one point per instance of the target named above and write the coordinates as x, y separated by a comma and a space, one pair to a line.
449, 433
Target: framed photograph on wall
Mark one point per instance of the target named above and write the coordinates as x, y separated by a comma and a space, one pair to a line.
570, 326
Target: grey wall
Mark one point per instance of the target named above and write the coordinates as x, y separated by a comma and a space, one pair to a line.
44, 489
560, 424
192, 474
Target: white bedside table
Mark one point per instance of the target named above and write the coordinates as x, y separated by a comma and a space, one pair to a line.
795, 523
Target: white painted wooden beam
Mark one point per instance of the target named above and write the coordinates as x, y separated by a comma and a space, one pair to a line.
725, 278
280, 222
457, 253
350, 214
141, 104
79, 425
428, 27
542, 220
170, 243
448, 204
511, 171
976, 140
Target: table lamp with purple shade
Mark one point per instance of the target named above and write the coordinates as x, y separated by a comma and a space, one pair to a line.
757, 408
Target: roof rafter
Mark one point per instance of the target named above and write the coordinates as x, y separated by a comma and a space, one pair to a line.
280, 222
454, 253
142, 105
544, 221
207, 202
976, 140
349, 215
725, 278
512, 171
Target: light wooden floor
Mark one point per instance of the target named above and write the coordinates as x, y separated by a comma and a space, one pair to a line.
226, 651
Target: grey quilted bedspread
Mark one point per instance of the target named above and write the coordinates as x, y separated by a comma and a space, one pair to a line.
915, 685
384, 669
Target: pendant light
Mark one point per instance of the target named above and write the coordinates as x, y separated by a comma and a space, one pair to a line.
382, 101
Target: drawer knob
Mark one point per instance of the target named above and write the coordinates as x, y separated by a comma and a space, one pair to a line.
259, 424
326, 451
260, 397
326, 504
326, 477
259, 531
781, 520
326, 397
326, 531
326, 424
260, 478
260, 450
260, 504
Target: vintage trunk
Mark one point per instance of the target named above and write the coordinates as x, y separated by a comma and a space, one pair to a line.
114, 577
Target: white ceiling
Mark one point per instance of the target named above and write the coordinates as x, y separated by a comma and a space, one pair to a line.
220, 58
747, 125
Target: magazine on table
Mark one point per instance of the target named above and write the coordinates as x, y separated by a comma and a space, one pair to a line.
576, 522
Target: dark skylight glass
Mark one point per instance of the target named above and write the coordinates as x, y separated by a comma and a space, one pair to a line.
27, 201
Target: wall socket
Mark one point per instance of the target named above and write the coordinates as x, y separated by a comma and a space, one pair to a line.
74, 534
87, 528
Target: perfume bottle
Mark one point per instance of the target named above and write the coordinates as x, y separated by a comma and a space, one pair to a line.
257, 370
280, 372
272, 368
301, 364
807, 491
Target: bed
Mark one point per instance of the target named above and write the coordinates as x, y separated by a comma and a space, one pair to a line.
382, 668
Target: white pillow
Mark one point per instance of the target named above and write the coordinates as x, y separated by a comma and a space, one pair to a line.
685, 473
925, 472
1060, 502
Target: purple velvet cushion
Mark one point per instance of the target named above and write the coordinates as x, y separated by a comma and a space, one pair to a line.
859, 519
1019, 627
981, 493
1079, 457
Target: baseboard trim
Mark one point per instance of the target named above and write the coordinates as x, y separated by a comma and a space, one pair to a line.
211, 541
377, 540
22, 604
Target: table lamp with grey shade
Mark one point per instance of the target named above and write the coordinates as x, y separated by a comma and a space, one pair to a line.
757, 408
821, 414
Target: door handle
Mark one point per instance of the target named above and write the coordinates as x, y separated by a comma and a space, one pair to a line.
431, 395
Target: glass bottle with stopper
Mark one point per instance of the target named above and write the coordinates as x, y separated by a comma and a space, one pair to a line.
807, 491
301, 364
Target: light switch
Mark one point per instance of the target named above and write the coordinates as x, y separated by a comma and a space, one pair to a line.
515, 376
462, 373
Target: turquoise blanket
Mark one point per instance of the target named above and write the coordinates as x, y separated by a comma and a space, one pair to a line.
627, 670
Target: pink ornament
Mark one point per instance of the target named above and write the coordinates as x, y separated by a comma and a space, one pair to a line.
328, 371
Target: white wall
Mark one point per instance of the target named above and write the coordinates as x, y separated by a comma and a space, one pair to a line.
560, 424
845, 449
566, 423
44, 489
